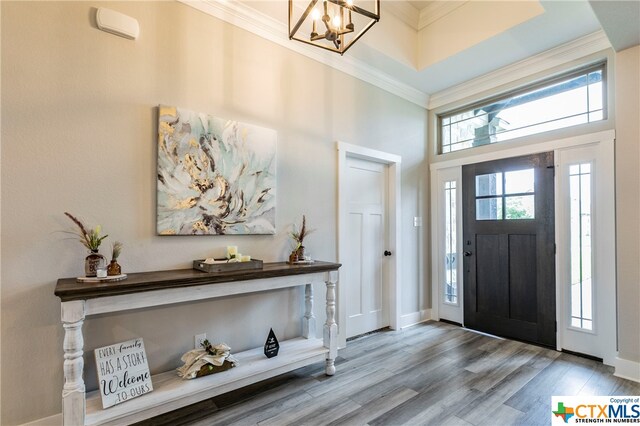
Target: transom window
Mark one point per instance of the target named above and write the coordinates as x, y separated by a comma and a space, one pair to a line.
568, 100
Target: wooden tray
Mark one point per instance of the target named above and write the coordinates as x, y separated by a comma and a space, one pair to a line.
224, 267
107, 279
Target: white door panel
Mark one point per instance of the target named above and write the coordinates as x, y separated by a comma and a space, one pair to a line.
353, 274
367, 291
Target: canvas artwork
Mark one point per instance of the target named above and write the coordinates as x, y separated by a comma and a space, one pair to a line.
215, 176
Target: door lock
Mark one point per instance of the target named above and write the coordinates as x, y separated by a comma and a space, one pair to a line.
387, 253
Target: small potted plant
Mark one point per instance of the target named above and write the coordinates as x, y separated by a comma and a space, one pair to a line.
114, 268
298, 237
91, 239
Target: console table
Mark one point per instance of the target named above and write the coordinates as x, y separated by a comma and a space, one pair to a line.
142, 290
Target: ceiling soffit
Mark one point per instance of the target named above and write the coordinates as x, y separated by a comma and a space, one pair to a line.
239, 14
368, 63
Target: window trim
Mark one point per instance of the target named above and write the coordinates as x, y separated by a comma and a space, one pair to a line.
601, 64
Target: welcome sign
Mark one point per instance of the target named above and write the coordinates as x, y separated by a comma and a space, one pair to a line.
123, 372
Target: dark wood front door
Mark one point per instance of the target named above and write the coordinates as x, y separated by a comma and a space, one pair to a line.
509, 259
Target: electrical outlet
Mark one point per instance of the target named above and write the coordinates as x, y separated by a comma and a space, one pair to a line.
199, 339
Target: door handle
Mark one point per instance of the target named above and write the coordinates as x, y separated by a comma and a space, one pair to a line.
387, 253
467, 253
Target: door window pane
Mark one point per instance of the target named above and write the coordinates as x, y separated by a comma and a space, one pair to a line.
489, 208
493, 199
490, 184
450, 254
580, 246
519, 181
520, 207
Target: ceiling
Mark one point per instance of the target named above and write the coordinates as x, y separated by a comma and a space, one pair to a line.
429, 46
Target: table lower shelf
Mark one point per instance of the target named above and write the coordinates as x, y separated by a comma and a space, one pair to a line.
170, 392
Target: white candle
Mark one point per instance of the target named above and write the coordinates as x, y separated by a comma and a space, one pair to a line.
232, 251
245, 258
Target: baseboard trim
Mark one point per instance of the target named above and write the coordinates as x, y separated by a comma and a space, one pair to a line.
54, 420
626, 369
414, 318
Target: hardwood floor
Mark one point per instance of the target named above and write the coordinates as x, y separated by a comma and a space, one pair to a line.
429, 374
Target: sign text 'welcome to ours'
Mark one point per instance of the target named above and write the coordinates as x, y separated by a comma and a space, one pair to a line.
123, 372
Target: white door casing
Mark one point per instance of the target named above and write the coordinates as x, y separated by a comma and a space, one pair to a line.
367, 291
392, 271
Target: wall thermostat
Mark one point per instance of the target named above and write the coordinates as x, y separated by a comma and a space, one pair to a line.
117, 23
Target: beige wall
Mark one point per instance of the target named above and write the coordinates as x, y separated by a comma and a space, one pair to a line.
628, 201
78, 135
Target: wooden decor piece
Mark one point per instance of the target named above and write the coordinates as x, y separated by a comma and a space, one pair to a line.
205, 370
123, 372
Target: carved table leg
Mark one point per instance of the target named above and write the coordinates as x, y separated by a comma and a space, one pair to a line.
73, 392
330, 327
309, 321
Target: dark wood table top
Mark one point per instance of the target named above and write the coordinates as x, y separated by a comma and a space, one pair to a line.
69, 289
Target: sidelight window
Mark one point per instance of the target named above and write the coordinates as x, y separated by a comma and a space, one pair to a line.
508, 195
581, 252
568, 100
450, 263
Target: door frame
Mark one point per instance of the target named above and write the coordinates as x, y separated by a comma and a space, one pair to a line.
346, 150
604, 138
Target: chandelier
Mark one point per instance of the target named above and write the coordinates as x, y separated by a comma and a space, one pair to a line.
332, 24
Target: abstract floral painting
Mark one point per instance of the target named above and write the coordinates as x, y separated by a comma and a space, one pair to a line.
215, 176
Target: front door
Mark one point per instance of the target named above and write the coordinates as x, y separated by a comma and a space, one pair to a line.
508, 247
365, 272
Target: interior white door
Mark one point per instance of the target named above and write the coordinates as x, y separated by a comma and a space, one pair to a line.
367, 301
585, 229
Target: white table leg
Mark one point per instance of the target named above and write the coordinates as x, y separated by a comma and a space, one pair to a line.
330, 327
309, 320
73, 392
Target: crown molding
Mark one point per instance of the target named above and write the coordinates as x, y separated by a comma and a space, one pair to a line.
245, 17
436, 10
557, 56
404, 11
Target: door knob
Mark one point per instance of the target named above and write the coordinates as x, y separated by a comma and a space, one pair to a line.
387, 253
467, 253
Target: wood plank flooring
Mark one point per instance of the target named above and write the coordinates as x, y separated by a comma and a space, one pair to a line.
430, 374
